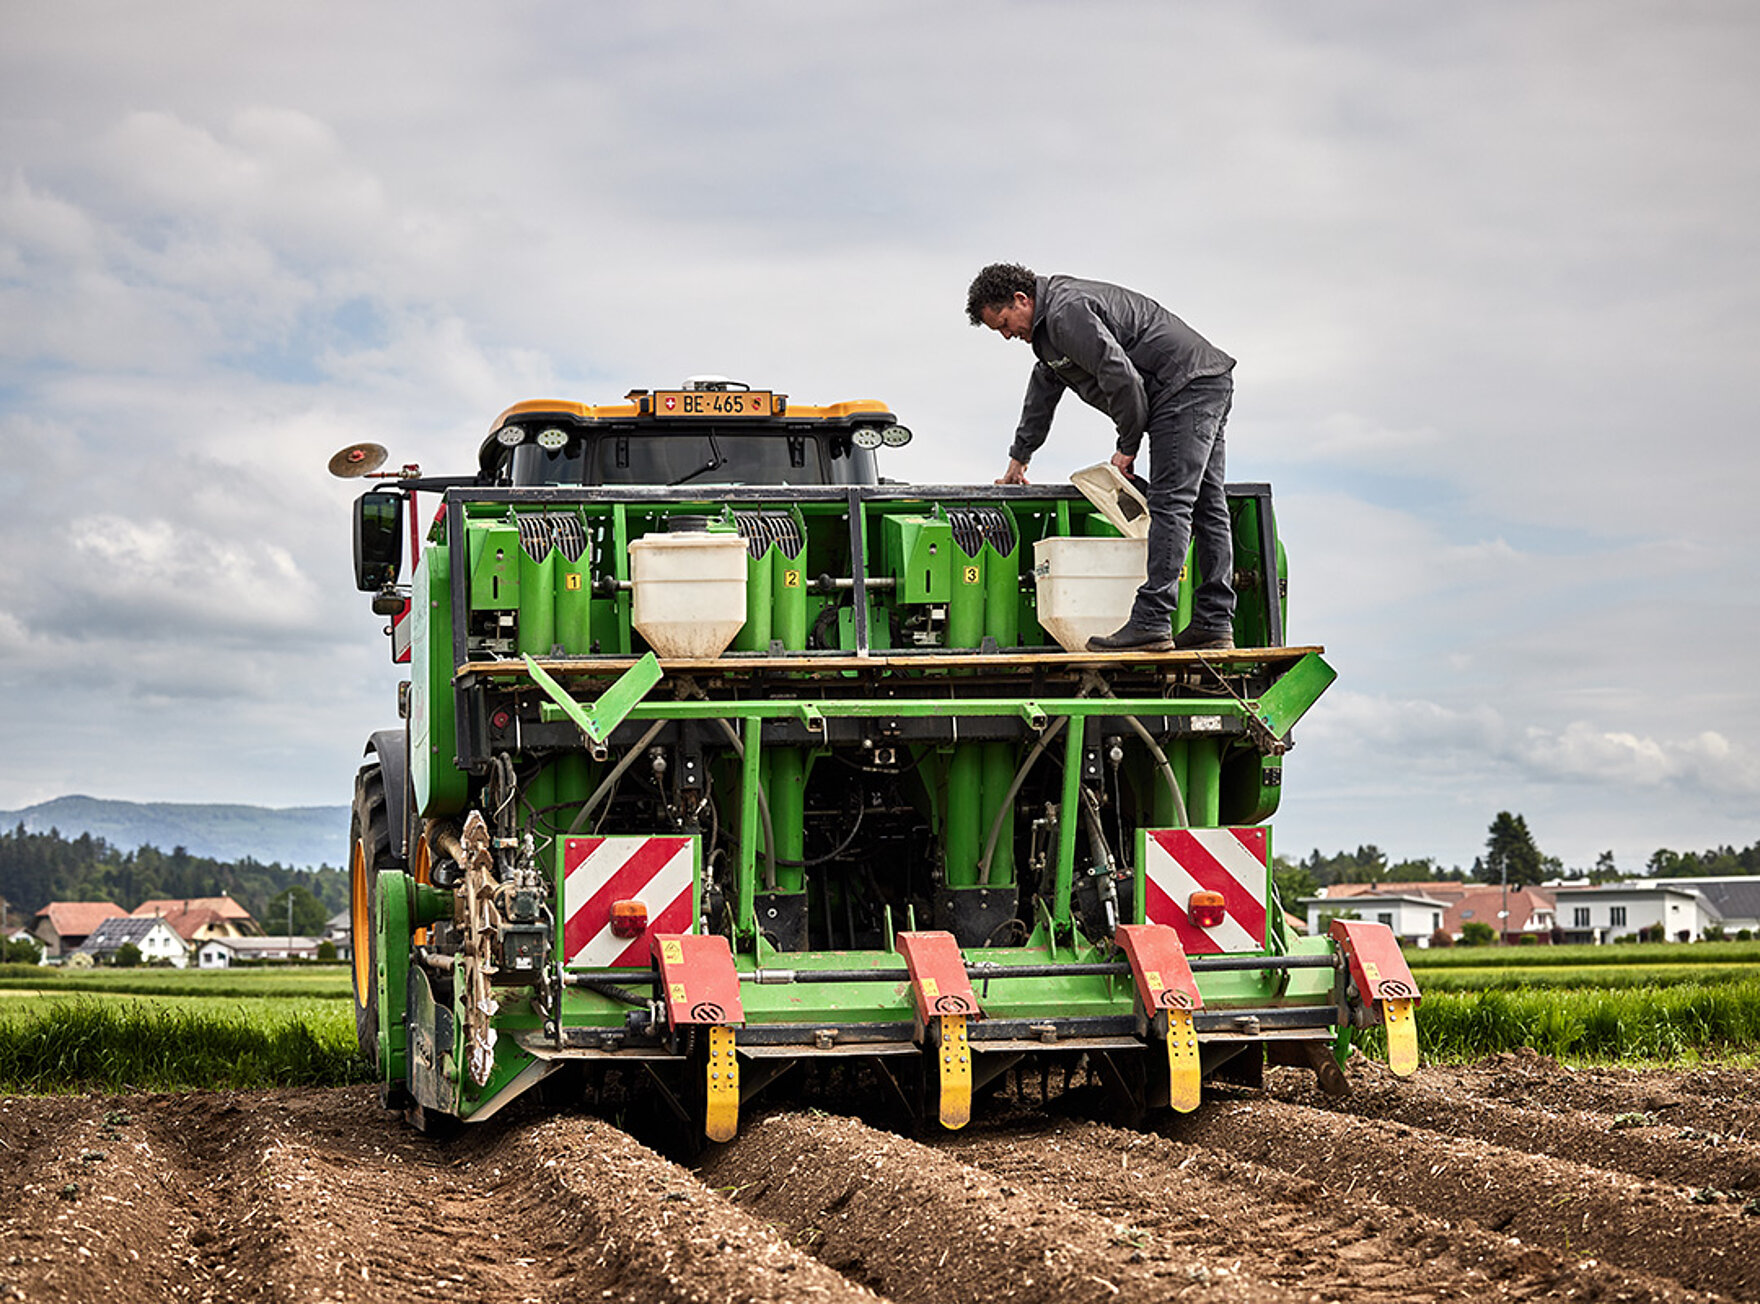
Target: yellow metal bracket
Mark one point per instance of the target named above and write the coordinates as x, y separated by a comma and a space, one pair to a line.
1183, 1071
1401, 1021
956, 1071
721, 1118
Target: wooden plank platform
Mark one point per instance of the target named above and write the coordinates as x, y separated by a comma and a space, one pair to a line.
1017, 659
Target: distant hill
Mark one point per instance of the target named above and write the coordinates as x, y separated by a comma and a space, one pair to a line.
302, 836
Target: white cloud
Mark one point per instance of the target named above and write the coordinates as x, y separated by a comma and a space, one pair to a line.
183, 581
1707, 761
1431, 736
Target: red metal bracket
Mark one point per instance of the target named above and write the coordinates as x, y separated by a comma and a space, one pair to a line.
1159, 968
697, 979
938, 975
1377, 966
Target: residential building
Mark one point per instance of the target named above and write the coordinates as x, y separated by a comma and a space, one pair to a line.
1610, 911
223, 952
21, 934
157, 941
339, 932
63, 925
1414, 917
197, 919
1530, 910
1732, 901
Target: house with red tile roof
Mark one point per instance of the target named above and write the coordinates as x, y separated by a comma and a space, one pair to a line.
200, 919
1448, 907
63, 925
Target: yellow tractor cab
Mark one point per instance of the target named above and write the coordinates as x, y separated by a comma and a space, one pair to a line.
711, 431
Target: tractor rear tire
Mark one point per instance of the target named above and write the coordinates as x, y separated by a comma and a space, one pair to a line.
370, 851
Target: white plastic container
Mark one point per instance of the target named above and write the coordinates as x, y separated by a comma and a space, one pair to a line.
1087, 585
689, 592
1120, 501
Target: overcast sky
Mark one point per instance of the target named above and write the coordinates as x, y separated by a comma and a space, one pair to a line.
1489, 271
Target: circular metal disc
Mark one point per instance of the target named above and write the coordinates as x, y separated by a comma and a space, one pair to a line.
357, 460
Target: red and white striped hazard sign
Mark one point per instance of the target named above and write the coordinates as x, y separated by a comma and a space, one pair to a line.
658, 872
1234, 862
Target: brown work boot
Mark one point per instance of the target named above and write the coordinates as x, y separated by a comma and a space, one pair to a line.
1193, 639
1131, 638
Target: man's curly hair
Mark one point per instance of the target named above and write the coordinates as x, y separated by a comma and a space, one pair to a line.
996, 286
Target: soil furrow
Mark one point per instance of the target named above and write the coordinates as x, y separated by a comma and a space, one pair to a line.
1287, 1229
98, 1205
1708, 1100
1639, 1141
1513, 1178
651, 1230
521, 1209
917, 1224
1643, 1226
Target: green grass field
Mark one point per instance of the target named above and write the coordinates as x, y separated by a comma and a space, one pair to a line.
326, 981
1681, 1024
1582, 977
1647, 1003
1543, 957
167, 1029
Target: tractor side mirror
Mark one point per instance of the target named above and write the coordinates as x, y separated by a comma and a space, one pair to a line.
378, 539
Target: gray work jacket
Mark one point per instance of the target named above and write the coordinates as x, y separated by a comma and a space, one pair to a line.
1119, 350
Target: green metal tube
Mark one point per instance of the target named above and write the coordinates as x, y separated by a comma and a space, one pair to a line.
1166, 814
965, 602
998, 765
1002, 595
745, 890
1204, 782
788, 599
755, 634
537, 603
960, 831
787, 787
574, 604
620, 572
1068, 822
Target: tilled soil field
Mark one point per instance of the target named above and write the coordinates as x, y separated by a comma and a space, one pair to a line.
1514, 1178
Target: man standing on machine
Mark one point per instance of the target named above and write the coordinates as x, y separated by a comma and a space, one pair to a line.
1156, 377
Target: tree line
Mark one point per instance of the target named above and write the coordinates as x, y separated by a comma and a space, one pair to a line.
1511, 854
37, 868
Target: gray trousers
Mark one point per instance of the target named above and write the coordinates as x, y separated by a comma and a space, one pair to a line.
1186, 502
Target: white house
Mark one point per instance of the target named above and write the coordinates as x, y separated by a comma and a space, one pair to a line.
1614, 910
339, 932
1414, 918
1732, 900
223, 952
156, 940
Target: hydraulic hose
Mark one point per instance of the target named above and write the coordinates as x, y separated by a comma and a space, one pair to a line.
604, 789
1007, 807
1179, 801
622, 995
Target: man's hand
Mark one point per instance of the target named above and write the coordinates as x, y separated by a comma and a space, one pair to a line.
1016, 473
1124, 462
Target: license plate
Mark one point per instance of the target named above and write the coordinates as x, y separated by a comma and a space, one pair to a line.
714, 403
